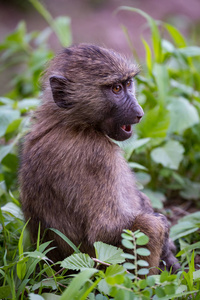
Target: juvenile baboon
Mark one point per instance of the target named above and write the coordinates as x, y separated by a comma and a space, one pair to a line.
73, 176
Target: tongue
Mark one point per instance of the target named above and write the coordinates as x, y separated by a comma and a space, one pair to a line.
126, 127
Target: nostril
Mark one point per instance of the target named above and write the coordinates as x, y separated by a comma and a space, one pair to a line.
139, 118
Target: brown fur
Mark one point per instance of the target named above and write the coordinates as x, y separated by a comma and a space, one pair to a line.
73, 176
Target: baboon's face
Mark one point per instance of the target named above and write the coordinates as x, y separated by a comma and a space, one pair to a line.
125, 110
94, 86
112, 109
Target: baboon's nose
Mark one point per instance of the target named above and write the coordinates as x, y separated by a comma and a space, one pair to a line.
139, 118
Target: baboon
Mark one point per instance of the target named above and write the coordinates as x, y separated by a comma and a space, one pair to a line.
73, 176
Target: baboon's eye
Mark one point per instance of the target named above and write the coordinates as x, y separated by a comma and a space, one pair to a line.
116, 88
128, 83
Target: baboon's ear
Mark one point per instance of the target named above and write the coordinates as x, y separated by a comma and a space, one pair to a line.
59, 91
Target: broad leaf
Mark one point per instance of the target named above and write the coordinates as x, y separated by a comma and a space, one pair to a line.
170, 155
5, 291
7, 116
155, 123
108, 253
114, 270
157, 198
182, 229
35, 297
191, 51
4, 150
183, 115
133, 144
77, 261
191, 190
13, 209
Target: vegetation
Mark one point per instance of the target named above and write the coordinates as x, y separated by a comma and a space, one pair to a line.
166, 147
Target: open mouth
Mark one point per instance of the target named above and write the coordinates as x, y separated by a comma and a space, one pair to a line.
127, 128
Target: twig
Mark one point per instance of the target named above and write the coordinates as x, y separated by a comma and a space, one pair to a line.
100, 262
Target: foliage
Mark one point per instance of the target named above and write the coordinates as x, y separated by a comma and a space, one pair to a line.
169, 94
166, 148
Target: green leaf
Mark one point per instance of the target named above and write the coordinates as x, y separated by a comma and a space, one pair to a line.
73, 289
176, 35
170, 155
148, 56
162, 80
155, 123
181, 109
50, 296
164, 276
103, 287
7, 116
127, 244
160, 292
118, 279
127, 236
11, 162
182, 229
129, 266
14, 125
133, 144
37, 254
191, 190
28, 104
41, 9
128, 256
108, 253
189, 248
169, 289
5, 291
134, 165
4, 150
78, 261
157, 198
114, 270
191, 51
21, 265
151, 281
6, 101
143, 178
62, 29
142, 284
156, 39
45, 283
142, 263
196, 275
13, 209
142, 240
143, 252
183, 88
66, 240
35, 297
143, 271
